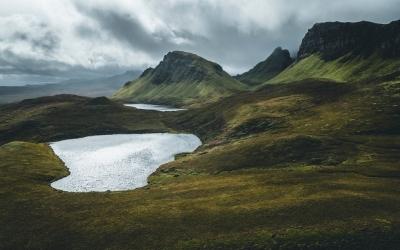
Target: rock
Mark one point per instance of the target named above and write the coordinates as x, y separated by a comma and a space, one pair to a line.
336, 39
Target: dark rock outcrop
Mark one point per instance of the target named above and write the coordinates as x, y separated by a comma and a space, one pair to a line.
336, 39
146, 72
278, 61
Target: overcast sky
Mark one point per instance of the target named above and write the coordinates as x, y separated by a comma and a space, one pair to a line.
47, 40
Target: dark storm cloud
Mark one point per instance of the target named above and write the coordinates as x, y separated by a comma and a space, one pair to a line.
104, 37
47, 42
86, 32
224, 43
127, 29
239, 48
11, 63
233, 47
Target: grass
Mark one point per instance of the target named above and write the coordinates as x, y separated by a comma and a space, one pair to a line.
189, 81
311, 164
343, 69
178, 94
281, 208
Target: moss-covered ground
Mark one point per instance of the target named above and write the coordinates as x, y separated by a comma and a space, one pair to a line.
306, 165
179, 94
302, 206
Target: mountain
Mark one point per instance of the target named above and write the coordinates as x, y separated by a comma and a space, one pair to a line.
182, 79
278, 61
346, 52
104, 86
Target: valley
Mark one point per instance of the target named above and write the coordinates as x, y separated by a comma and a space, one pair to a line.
294, 154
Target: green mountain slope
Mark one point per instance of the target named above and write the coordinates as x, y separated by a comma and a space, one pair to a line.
346, 52
181, 79
278, 61
343, 69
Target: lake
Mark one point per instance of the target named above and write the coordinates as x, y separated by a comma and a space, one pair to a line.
117, 162
160, 108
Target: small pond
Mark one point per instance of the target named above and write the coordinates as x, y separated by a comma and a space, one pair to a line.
117, 162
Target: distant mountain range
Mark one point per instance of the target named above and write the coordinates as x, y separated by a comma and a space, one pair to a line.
104, 86
346, 52
342, 52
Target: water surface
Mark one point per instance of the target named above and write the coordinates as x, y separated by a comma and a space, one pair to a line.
160, 108
117, 162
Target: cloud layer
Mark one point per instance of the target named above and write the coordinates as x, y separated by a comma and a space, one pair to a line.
71, 38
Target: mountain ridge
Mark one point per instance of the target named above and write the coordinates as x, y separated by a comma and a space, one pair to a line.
336, 39
346, 52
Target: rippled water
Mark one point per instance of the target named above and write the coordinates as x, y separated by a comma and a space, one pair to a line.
117, 162
160, 108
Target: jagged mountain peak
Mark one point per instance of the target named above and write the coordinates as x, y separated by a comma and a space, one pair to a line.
275, 63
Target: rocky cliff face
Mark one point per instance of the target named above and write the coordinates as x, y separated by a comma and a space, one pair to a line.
335, 39
178, 66
278, 61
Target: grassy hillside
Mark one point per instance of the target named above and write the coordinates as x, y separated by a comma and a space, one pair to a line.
310, 164
66, 116
343, 69
179, 94
181, 79
308, 122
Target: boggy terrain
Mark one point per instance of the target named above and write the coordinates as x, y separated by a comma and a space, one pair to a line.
311, 164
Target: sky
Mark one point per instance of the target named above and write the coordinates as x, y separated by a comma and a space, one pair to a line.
50, 40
